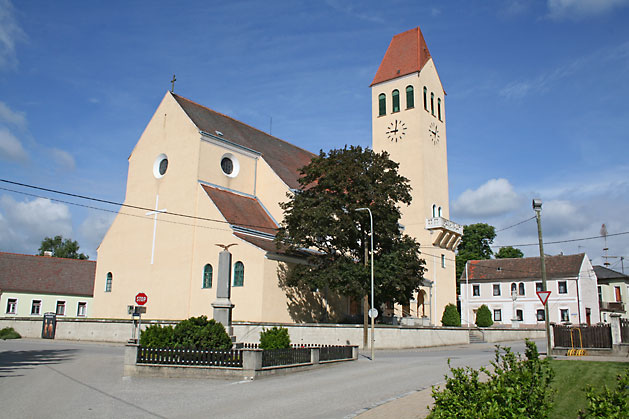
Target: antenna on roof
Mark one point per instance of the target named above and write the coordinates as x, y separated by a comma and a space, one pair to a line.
605, 249
172, 89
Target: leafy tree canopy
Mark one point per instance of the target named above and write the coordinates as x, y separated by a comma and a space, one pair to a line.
322, 216
61, 248
509, 252
475, 245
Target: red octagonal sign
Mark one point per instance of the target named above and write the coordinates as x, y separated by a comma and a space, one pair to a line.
141, 299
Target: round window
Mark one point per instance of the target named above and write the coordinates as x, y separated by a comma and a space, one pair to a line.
227, 165
163, 165
160, 166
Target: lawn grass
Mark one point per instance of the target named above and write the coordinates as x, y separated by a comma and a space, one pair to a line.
571, 377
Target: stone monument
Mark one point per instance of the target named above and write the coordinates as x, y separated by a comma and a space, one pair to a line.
223, 305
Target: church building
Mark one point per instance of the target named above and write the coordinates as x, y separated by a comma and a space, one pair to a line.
198, 179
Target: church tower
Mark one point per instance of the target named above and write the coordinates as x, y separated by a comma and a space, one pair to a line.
409, 122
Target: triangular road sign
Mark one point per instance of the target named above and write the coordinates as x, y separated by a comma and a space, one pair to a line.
543, 296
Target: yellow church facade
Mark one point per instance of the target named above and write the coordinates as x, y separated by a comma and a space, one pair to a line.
198, 178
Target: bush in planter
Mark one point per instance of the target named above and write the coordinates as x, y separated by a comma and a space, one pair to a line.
193, 333
483, 317
275, 338
201, 333
451, 316
9, 333
156, 336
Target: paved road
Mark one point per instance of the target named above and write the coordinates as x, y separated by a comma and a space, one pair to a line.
61, 379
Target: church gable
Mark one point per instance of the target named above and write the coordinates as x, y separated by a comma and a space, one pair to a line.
284, 158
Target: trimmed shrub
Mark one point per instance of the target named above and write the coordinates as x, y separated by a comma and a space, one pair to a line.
451, 316
9, 333
156, 336
483, 317
275, 338
613, 404
193, 333
201, 333
516, 388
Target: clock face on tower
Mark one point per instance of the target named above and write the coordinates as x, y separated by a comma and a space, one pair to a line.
434, 133
396, 130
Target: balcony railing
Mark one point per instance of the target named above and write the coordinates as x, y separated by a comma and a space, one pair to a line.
449, 232
614, 306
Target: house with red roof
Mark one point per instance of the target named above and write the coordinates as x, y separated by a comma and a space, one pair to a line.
508, 287
33, 285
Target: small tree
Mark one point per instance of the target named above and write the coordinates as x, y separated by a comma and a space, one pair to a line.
193, 333
483, 317
509, 252
61, 248
275, 338
451, 316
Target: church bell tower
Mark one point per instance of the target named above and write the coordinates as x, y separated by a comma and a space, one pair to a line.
409, 122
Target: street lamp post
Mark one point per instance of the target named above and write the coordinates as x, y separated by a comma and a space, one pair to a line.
372, 311
537, 207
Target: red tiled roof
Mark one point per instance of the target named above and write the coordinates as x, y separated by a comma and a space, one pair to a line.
241, 210
46, 275
284, 158
264, 244
524, 268
407, 53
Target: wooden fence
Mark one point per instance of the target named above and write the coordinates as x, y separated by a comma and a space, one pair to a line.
599, 336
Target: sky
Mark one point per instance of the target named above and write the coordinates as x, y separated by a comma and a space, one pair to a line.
536, 103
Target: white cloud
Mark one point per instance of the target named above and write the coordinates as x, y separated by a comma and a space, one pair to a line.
493, 198
357, 11
23, 225
11, 148
11, 117
63, 159
10, 34
579, 9
93, 229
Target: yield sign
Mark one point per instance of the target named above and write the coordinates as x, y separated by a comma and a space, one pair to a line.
543, 296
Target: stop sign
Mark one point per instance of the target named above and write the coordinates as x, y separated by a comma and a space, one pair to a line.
141, 299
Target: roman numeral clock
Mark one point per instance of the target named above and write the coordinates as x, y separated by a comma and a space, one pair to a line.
396, 130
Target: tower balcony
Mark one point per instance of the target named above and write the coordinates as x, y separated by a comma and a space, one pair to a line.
450, 233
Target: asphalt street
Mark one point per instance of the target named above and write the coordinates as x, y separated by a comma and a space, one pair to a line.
63, 379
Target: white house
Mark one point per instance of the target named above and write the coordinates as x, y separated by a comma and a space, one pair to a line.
613, 292
509, 288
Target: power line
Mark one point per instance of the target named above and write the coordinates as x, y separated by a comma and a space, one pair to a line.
515, 225
89, 198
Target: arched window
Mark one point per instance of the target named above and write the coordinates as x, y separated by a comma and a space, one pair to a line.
432, 103
425, 98
439, 109
239, 274
395, 95
108, 282
521, 288
439, 212
410, 97
382, 104
514, 288
434, 211
207, 276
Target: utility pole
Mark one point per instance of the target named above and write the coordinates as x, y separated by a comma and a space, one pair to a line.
537, 207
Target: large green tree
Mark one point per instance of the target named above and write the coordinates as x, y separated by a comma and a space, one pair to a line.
61, 248
322, 216
509, 252
475, 245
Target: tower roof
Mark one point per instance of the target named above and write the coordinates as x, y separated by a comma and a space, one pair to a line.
407, 53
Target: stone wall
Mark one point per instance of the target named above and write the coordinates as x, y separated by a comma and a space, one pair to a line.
386, 337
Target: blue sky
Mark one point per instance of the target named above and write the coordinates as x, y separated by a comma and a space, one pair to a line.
536, 100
